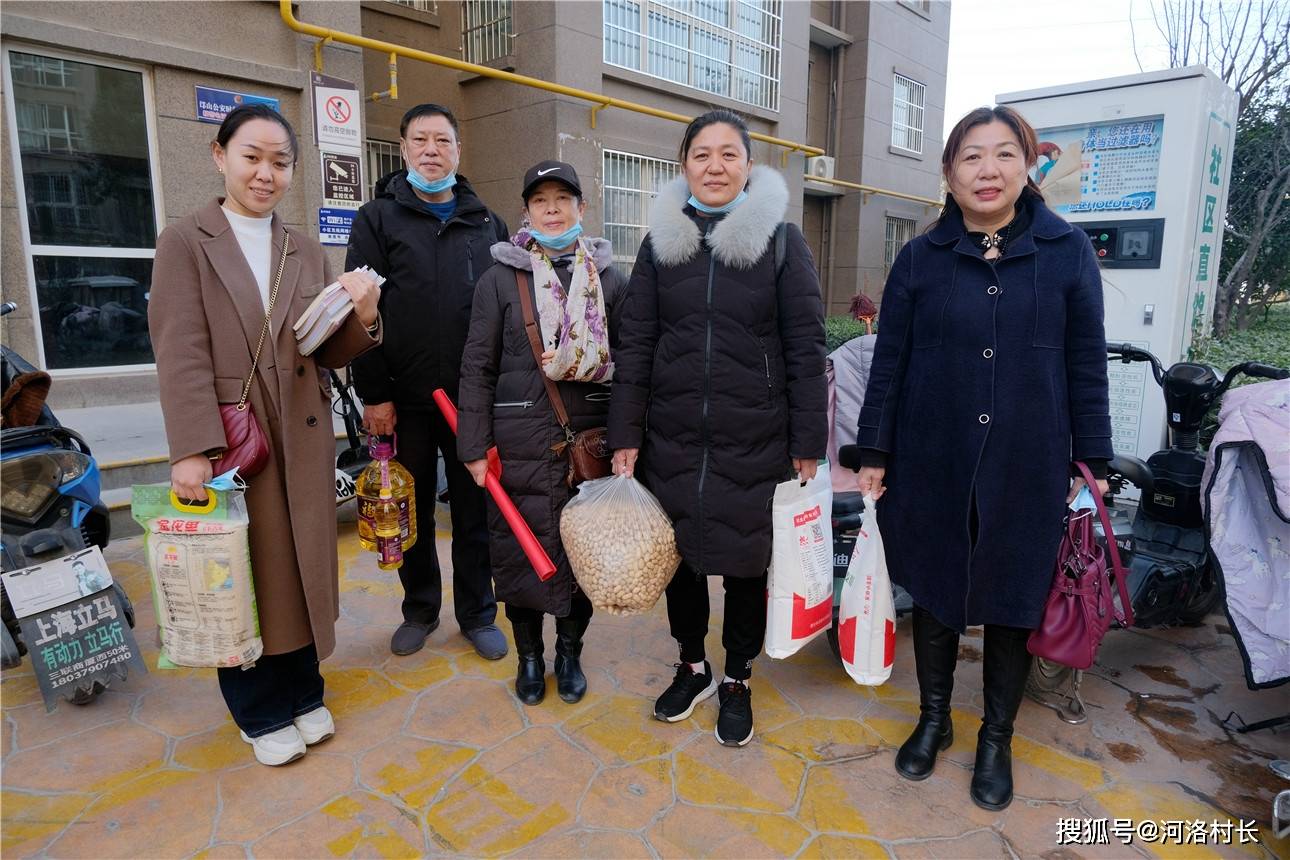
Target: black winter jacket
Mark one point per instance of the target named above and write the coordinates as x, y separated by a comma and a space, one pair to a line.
719, 379
504, 403
430, 268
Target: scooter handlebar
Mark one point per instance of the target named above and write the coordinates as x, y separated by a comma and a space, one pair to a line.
1267, 371
8, 308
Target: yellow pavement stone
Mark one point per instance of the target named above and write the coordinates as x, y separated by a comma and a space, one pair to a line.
587, 844
31, 820
184, 706
1150, 802
354, 691
757, 777
360, 824
131, 752
828, 847
621, 730
981, 845
466, 711
19, 687
223, 851
256, 799
816, 739
115, 824
415, 675
32, 726
628, 798
691, 831
512, 795
827, 806
217, 749
412, 770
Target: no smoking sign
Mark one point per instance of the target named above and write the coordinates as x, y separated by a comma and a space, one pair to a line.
336, 116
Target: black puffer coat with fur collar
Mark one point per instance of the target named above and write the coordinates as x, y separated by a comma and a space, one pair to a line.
719, 373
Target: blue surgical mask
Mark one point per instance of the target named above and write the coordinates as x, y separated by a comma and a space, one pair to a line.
1084, 501
230, 480
557, 243
419, 182
718, 210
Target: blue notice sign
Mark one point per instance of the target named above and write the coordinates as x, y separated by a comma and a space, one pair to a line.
213, 105
334, 226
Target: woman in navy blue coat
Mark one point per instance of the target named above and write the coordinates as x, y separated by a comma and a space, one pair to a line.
988, 380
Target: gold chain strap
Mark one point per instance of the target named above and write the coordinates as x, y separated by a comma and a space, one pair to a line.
264, 330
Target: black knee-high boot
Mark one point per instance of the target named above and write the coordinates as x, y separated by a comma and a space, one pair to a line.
936, 652
1005, 665
570, 682
530, 679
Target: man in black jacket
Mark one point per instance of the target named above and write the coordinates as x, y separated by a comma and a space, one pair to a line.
429, 235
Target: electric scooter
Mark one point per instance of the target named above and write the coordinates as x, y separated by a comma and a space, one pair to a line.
1171, 576
51, 505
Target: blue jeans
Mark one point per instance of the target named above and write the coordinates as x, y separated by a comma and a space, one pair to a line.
277, 689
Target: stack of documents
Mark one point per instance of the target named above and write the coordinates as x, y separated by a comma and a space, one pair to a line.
326, 314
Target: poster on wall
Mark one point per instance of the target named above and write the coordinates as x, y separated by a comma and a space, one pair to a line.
1107, 167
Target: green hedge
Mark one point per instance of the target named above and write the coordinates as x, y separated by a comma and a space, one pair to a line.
841, 328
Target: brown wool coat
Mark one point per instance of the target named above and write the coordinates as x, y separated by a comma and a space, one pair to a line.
205, 315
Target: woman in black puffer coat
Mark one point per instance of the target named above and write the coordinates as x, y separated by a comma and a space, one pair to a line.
504, 403
719, 387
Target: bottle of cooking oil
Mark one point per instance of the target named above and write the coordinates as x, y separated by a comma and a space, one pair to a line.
385, 475
389, 532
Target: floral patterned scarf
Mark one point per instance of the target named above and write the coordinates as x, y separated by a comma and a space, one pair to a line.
574, 321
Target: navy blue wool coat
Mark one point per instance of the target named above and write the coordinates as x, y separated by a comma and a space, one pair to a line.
987, 380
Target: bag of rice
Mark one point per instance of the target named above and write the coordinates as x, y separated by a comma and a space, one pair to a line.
199, 561
620, 544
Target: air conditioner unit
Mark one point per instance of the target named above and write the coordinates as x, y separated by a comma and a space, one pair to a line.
820, 167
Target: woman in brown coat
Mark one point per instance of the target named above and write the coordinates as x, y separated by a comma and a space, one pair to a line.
212, 282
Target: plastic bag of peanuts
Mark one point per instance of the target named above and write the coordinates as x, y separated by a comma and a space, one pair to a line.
620, 544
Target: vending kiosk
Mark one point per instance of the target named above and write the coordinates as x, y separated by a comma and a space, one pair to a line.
1141, 164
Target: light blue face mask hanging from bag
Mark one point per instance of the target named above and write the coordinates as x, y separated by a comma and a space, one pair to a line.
1083, 501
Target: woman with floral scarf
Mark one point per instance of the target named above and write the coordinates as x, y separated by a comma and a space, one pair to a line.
503, 402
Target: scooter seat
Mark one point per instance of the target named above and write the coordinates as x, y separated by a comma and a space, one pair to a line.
847, 504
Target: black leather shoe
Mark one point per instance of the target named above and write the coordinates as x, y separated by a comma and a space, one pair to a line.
936, 652
530, 677
570, 682
1005, 665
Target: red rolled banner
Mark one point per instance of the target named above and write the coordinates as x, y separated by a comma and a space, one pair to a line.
533, 550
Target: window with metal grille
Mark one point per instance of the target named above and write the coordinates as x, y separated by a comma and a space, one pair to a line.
899, 231
630, 183
727, 47
382, 157
430, 6
485, 30
908, 100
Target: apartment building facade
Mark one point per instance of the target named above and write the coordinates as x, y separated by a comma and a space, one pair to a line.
104, 145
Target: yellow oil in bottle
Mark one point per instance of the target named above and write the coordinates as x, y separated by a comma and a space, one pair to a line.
385, 475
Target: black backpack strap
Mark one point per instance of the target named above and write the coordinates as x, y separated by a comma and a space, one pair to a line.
781, 246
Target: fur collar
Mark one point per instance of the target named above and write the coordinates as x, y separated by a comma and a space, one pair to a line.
738, 240
510, 254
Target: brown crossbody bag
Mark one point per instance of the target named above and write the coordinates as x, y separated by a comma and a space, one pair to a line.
588, 452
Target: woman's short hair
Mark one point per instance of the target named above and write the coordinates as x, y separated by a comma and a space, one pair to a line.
240, 116
712, 117
1024, 131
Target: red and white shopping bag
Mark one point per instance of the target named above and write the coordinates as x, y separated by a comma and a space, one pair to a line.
867, 615
800, 589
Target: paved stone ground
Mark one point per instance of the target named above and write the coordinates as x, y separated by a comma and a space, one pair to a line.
434, 756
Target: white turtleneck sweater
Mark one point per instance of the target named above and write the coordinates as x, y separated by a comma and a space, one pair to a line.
255, 237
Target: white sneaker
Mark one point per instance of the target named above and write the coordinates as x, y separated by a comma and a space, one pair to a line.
315, 726
278, 747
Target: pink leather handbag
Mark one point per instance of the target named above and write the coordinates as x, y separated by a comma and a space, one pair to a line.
1081, 605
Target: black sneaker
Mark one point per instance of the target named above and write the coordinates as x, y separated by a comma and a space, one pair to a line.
734, 723
688, 688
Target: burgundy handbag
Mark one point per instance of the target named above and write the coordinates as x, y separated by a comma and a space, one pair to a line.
588, 451
247, 447
1081, 605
